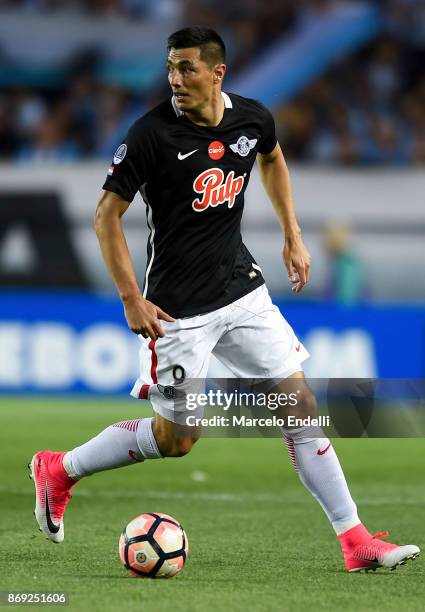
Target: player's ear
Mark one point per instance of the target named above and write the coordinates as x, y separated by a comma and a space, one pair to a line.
219, 72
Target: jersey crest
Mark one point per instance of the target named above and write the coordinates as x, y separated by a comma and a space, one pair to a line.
215, 189
243, 146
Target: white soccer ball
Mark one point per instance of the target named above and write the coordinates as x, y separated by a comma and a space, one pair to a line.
153, 545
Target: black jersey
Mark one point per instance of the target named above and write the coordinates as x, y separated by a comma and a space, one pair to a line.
193, 181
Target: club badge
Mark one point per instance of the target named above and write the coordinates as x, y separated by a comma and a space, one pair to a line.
243, 146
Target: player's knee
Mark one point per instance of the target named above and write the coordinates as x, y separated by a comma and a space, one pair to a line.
174, 440
183, 446
177, 447
306, 405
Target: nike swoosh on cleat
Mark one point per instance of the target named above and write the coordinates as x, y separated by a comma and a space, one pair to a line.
134, 456
180, 156
50, 524
322, 452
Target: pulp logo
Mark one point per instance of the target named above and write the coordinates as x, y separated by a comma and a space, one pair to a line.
216, 150
215, 189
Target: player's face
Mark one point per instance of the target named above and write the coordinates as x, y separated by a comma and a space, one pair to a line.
192, 80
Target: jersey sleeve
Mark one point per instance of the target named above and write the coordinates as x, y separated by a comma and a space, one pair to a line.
133, 162
268, 140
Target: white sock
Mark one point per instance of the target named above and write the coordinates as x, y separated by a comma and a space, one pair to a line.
120, 444
322, 475
146, 440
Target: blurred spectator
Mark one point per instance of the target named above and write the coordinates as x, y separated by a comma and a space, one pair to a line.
83, 108
30, 110
406, 20
115, 116
311, 10
52, 139
345, 283
384, 143
384, 72
8, 134
295, 122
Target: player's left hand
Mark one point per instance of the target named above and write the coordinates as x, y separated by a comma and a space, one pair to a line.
297, 261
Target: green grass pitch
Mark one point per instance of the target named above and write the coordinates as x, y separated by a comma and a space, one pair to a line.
258, 541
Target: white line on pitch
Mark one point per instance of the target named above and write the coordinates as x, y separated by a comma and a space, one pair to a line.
217, 497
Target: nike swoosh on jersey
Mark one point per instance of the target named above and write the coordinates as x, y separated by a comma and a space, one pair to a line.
180, 156
50, 524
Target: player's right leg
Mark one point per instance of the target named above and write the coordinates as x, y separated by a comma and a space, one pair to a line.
172, 439
182, 354
124, 443
55, 473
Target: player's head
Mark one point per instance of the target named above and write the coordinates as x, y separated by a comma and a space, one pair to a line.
196, 66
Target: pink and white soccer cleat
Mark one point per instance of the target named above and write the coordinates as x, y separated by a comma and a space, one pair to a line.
364, 552
52, 492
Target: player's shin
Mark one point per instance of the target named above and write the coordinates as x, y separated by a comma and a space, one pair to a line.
320, 471
121, 444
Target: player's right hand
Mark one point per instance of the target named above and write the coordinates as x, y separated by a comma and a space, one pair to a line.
143, 318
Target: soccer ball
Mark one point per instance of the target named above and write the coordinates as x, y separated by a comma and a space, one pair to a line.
153, 545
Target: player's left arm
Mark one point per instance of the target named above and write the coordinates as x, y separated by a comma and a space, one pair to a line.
275, 177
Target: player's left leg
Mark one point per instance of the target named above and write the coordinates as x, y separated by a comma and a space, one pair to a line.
318, 467
313, 456
260, 344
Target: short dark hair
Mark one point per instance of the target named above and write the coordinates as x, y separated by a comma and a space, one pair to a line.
211, 45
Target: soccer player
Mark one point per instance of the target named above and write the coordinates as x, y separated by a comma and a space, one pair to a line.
191, 158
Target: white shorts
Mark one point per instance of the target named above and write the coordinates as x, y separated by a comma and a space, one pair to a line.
249, 336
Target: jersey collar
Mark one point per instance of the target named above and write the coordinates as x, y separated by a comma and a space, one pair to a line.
180, 113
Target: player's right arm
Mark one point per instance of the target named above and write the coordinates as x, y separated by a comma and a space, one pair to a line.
142, 316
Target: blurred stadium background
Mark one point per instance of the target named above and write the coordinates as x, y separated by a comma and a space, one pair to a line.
346, 83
